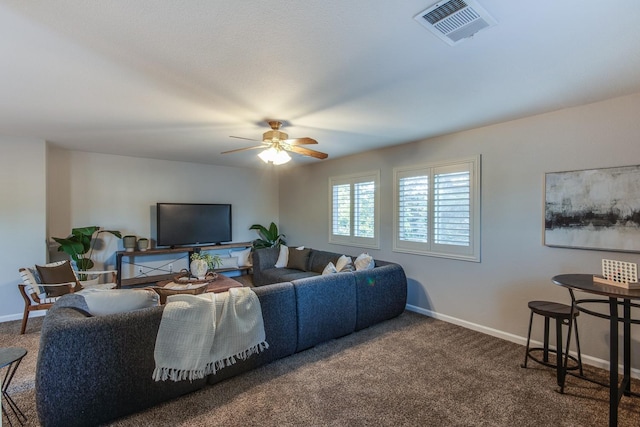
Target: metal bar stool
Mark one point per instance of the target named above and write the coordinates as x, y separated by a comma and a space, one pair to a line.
563, 315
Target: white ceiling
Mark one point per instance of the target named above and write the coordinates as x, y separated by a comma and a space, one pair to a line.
174, 79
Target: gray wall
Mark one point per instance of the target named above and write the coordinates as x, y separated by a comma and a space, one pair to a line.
516, 267
22, 214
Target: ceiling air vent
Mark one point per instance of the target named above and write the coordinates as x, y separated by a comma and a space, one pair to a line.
455, 20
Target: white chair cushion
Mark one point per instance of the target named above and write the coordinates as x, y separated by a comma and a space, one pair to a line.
244, 257
103, 302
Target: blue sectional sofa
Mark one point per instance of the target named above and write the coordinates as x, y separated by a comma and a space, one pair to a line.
92, 370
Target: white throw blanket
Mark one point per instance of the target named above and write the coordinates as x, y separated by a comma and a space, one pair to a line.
200, 334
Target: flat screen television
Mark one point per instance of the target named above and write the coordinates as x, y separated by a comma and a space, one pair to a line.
183, 224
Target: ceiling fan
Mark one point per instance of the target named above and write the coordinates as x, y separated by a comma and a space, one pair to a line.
276, 144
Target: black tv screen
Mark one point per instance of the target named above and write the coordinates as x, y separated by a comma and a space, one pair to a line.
193, 224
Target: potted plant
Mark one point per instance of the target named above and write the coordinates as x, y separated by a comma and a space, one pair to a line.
201, 262
269, 237
80, 245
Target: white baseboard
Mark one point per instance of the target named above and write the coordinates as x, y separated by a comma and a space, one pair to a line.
18, 316
589, 360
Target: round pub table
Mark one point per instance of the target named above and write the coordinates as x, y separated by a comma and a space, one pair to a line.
615, 297
10, 358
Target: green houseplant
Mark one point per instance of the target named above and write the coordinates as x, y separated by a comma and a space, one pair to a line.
269, 237
80, 245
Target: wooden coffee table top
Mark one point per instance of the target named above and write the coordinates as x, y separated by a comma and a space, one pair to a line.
222, 283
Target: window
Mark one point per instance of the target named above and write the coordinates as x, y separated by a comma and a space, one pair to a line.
437, 209
353, 207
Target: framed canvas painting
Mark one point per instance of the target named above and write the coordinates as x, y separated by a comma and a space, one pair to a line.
593, 209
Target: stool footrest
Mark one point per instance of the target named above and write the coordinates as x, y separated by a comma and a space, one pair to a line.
549, 364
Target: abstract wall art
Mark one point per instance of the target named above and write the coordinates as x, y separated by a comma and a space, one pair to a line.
593, 209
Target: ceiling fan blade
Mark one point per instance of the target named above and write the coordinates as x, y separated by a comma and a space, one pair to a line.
243, 149
239, 137
300, 141
307, 152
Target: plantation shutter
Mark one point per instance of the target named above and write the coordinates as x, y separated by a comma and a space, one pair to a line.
354, 209
364, 209
341, 214
437, 209
413, 208
452, 206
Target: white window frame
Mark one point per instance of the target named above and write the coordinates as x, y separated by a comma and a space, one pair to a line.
351, 180
469, 252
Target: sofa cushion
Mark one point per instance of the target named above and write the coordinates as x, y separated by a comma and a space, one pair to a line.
326, 307
298, 258
277, 275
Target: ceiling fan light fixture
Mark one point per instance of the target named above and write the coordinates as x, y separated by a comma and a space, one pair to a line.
281, 158
276, 145
268, 155
275, 156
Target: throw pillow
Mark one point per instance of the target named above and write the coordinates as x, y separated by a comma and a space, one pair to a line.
342, 262
62, 273
364, 261
329, 269
298, 258
103, 302
244, 257
347, 268
230, 262
283, 257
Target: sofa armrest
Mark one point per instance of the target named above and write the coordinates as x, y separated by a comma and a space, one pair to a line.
91, 370
381, 293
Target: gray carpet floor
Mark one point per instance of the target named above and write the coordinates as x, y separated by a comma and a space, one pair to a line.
409, 371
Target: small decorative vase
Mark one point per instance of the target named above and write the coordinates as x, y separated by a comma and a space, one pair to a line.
129, 243
199, 268
143, 244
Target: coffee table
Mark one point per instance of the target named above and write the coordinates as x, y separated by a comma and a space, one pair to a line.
221, 283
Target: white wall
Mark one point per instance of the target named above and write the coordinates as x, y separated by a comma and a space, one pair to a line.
121, 193
22, 215
46, 192
516, 267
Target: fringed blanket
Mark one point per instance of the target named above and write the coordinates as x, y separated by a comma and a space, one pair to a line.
201, 334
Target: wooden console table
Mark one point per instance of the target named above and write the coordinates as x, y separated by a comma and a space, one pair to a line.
162, 251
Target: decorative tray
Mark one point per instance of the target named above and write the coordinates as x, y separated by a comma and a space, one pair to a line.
184, 278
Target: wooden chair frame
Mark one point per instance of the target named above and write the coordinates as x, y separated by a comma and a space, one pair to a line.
32, 302
31, 295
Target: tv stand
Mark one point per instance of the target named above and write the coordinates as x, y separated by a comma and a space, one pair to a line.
171, 250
